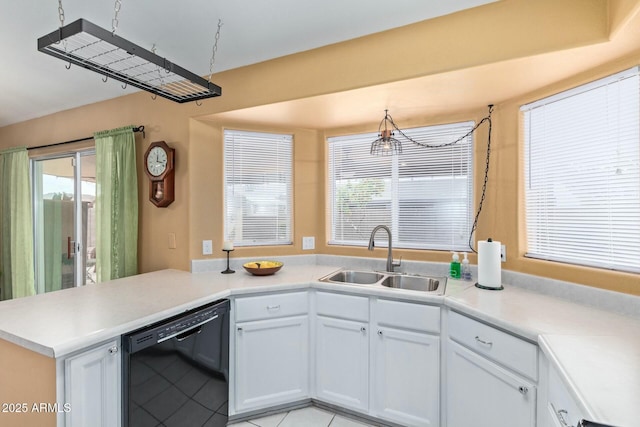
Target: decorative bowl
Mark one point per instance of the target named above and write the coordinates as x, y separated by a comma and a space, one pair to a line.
262, 268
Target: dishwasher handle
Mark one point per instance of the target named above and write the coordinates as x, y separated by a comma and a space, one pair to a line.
191, 332
181, 335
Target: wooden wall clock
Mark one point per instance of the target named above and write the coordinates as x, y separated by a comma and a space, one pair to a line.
159, 165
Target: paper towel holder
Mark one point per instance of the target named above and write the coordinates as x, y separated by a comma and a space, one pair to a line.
477, 284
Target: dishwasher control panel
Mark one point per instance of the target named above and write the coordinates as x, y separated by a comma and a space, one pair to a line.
185, 324
174, 326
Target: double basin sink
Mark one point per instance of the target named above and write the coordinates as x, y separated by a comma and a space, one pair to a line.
412, 282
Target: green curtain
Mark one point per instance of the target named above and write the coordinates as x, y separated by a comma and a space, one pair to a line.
116, 204
17, 229
52, 241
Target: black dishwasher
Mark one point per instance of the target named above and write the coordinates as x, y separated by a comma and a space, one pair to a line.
175, 372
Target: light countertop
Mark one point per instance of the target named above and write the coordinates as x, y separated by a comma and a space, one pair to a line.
596, 351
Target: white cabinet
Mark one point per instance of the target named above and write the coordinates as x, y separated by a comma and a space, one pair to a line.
406, 377
378, 357
482, 393
271, 350
342, 350
92, 387
561, 409
405, 370
484, 384
342, 362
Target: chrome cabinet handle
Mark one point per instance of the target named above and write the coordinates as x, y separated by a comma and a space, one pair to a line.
380, 333
481, 341
523, 390
113, 350
273, 307
363, 329
561, 414
239, 329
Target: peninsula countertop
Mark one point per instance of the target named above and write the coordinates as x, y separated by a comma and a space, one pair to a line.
596, 351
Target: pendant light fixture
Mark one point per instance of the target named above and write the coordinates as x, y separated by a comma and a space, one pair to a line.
386, 144
94, 48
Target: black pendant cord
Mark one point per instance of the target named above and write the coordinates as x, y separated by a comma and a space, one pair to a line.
486, 178
448, 144
135, 129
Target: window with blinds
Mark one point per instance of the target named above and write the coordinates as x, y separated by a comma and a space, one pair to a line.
582, 174
425, 195
257, 188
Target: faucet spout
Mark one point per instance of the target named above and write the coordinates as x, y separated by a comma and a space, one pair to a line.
390, 263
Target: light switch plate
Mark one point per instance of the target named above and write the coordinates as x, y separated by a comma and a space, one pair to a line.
308, 243
207, 247
172, 240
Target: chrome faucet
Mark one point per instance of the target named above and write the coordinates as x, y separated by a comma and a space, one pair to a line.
391, 264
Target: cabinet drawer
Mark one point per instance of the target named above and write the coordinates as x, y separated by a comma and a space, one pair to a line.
408, 315
502, 347
271, 306
344, 306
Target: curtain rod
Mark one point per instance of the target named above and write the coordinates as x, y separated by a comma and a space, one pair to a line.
135, 129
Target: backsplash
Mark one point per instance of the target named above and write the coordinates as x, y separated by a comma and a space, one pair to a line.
617, 302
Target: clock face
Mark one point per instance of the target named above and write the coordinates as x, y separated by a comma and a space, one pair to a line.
157, 161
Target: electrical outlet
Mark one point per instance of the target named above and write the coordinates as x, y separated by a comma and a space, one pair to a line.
503, 253
207, 247
308, 243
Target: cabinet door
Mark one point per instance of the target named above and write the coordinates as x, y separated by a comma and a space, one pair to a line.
481, 393
92, 387
562, 409
342, 362
406, 377
271, 362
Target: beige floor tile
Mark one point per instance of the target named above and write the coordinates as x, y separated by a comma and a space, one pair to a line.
307, 417
270, 420
339, 421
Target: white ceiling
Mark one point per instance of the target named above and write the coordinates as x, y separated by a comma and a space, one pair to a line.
33, 84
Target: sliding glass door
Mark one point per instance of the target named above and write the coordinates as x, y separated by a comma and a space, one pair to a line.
64, 194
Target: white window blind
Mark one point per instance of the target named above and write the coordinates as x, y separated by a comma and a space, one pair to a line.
424, 195
582, 174
257, 188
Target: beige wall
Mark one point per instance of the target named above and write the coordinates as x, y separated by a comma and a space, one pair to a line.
493, 34
26, 377
206, 169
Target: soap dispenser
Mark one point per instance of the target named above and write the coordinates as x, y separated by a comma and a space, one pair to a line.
455, 266
466, 268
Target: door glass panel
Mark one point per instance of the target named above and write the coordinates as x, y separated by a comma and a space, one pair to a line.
64, 223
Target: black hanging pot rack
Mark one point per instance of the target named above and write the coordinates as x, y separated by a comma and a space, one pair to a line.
89, 46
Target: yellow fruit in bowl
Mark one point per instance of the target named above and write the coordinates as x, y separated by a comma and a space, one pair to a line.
262, 268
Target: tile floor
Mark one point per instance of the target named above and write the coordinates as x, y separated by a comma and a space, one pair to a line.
305, 417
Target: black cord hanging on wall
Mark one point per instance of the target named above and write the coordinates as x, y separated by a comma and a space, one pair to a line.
486, 176
387, 144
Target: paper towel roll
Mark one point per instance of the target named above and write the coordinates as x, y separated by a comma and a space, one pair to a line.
489, 270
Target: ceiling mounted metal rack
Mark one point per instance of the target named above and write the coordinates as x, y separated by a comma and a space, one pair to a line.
94, 48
